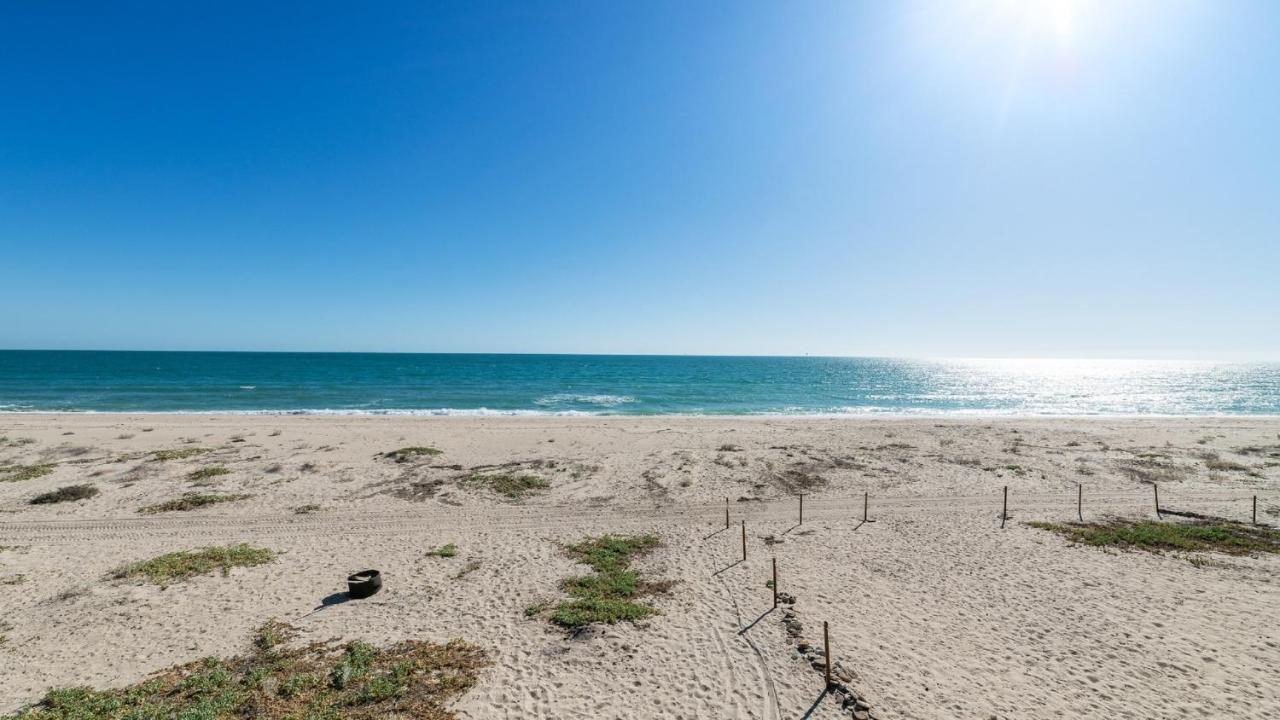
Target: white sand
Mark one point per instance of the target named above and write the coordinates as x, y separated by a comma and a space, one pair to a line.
936, 610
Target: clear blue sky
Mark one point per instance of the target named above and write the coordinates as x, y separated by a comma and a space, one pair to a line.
919, 178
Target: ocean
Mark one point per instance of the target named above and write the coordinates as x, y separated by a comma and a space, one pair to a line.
369, 383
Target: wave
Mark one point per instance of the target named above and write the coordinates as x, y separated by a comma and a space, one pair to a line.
602, 400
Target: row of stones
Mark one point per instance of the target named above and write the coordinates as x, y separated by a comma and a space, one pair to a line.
841, 676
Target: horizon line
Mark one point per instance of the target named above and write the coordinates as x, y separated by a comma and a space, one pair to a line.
935, 358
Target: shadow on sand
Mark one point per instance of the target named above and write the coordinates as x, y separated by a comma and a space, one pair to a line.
328, 601
814, 707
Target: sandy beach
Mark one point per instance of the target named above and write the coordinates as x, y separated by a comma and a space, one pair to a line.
934, 609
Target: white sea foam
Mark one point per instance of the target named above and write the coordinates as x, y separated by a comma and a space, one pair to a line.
425, 412
602, 400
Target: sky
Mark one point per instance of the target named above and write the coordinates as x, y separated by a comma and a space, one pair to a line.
922, 178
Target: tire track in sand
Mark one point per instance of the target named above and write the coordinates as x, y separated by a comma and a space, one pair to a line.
535, 517
771, 710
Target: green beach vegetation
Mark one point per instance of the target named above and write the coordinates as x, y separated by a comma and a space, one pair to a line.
444, 551
610, 594
1219, 536
184, 564
179, 454
190, 501
275, 680
205, 473
406, 454
70, 493
516, 486
18, 473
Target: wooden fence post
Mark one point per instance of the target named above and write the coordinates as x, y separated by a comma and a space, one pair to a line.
1080, 502
801, 508
744, 540
1255, 509
864, 506
1004, 510
826, 647
775, 583
1156, 488
726, 513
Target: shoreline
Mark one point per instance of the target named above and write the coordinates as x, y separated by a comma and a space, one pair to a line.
486, 413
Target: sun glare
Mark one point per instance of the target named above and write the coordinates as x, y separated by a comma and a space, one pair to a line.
995, 53
1056, 19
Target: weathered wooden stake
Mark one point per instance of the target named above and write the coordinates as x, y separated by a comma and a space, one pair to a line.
864, 506
1080, 502
826, 647
775, 583
1004, 511
726, 513
1156, 488
1255, 509
801, 508
744, 540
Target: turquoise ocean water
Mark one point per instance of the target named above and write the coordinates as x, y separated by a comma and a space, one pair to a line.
92, 381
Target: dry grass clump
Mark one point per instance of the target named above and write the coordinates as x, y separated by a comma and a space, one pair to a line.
1219, 536
185, 564
608, 596
798, 478
18, 473
1150, 470
1216, 463
1272, 451
405, 454
69, 493
273, 681
179, 454
731, 463
190, 501
516, 486
467, 569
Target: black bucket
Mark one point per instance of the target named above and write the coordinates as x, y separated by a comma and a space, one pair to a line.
364, 584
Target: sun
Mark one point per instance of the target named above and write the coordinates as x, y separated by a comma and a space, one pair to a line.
1055, 22
1049, 18
996, 53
